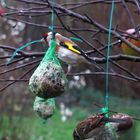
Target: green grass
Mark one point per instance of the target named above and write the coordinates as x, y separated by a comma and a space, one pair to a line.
34, 128
31, 127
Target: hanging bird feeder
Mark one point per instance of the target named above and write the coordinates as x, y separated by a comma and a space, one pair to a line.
44, 108
48, 80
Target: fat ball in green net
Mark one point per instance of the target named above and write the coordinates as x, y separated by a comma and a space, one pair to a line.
48, 80
44, 107
106, 132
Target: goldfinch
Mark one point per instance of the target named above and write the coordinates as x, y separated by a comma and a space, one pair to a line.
68, 51
126, 49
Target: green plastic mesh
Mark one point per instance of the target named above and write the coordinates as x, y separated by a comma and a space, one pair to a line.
51, 54
44, 107
111, 131
48, 80
105, 133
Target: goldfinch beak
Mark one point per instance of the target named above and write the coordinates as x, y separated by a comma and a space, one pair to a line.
42, 40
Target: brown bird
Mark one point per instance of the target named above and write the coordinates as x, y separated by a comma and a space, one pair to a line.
93, 127
86, 128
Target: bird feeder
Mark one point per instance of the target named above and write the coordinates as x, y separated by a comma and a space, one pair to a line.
48, 80
44, 108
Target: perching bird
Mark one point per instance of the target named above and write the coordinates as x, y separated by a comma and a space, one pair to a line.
126, 49
68, 51
88, 127
95, 127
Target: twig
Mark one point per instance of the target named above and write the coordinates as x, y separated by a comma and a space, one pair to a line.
19, 67
103, 73
17, 80
28, 71
112, 111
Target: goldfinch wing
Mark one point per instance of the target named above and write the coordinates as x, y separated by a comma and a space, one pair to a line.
73, 47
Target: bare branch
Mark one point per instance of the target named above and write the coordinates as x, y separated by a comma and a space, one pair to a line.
28, 71
103, 73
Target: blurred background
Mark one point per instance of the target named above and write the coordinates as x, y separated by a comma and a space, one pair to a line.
18, 121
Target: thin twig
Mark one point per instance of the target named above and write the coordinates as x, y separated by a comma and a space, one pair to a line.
28, 71
103, 73
19, 67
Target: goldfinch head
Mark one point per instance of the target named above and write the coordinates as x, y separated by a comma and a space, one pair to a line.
48, 36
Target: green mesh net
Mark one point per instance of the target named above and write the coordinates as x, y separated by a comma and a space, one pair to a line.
51, 54
48, 80
110, 132
44, 107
